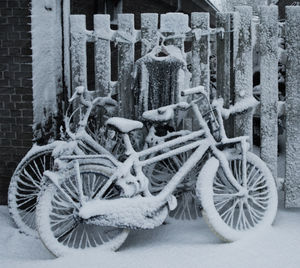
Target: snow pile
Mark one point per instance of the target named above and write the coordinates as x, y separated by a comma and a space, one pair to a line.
176, 244
46, 57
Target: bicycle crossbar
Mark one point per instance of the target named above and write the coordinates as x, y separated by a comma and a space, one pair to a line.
76, 157
177, 141
171, 153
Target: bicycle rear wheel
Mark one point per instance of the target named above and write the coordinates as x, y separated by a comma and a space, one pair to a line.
25, 185
59, 225
233, 216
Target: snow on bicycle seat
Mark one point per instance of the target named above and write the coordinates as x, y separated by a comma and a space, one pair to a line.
124, 125
163, 114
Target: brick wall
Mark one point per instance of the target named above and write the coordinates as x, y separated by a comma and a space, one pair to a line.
15, 88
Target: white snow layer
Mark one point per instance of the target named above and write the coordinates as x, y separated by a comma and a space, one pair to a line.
123, 124
176, 244
46, 57
175, 22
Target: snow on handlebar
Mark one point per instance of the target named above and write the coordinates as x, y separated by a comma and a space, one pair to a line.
99, 101
238, 107
193, 90
165, 113
78, 92
103, 101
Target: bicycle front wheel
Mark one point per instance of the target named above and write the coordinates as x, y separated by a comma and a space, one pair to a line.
59, 225
233, 216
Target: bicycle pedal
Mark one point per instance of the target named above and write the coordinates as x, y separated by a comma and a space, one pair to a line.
172, 202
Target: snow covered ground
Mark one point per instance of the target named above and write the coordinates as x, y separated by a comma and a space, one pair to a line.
176, 244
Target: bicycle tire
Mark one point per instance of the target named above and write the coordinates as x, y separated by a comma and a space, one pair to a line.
60, 228
25, 186
232, 217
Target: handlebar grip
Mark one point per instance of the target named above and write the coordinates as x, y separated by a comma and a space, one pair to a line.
78, 91
193, 90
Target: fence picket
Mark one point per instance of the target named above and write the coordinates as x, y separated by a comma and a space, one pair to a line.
175, 25
292, 183
268, 36
78, 51
224, 62
149, 31
223, 57
234, 69
200, 51
125, 39
243, 71
102, 35
66, 46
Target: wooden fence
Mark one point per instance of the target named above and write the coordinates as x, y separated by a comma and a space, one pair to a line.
234, 69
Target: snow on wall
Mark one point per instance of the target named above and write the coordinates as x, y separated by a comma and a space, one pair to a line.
292, 186
46, 57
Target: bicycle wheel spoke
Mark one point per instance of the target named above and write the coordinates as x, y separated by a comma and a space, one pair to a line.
36, 172
31, 179
39, 175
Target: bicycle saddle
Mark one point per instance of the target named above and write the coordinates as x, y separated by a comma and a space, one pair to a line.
124, 125
163, 115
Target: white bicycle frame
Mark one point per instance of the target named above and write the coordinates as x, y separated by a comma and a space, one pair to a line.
201, 142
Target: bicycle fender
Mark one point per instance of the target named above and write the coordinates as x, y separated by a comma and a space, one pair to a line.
209, 169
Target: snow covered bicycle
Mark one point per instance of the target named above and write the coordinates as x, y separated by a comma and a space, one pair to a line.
95, 204
27, 179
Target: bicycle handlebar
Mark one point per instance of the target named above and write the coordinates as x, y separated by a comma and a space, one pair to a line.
78, 92
238, 107
166, 113
193, 90
89, 104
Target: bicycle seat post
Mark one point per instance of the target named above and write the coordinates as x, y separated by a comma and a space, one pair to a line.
128, 145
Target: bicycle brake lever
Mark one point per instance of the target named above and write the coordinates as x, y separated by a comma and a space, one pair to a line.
78, 91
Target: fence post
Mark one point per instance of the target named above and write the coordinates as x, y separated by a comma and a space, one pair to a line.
126, 39
223, 57
66, 47
78, 51
224, 64
200, 51
292, 184
243, 71
176, 25
149, 32
268, 36
102, 54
